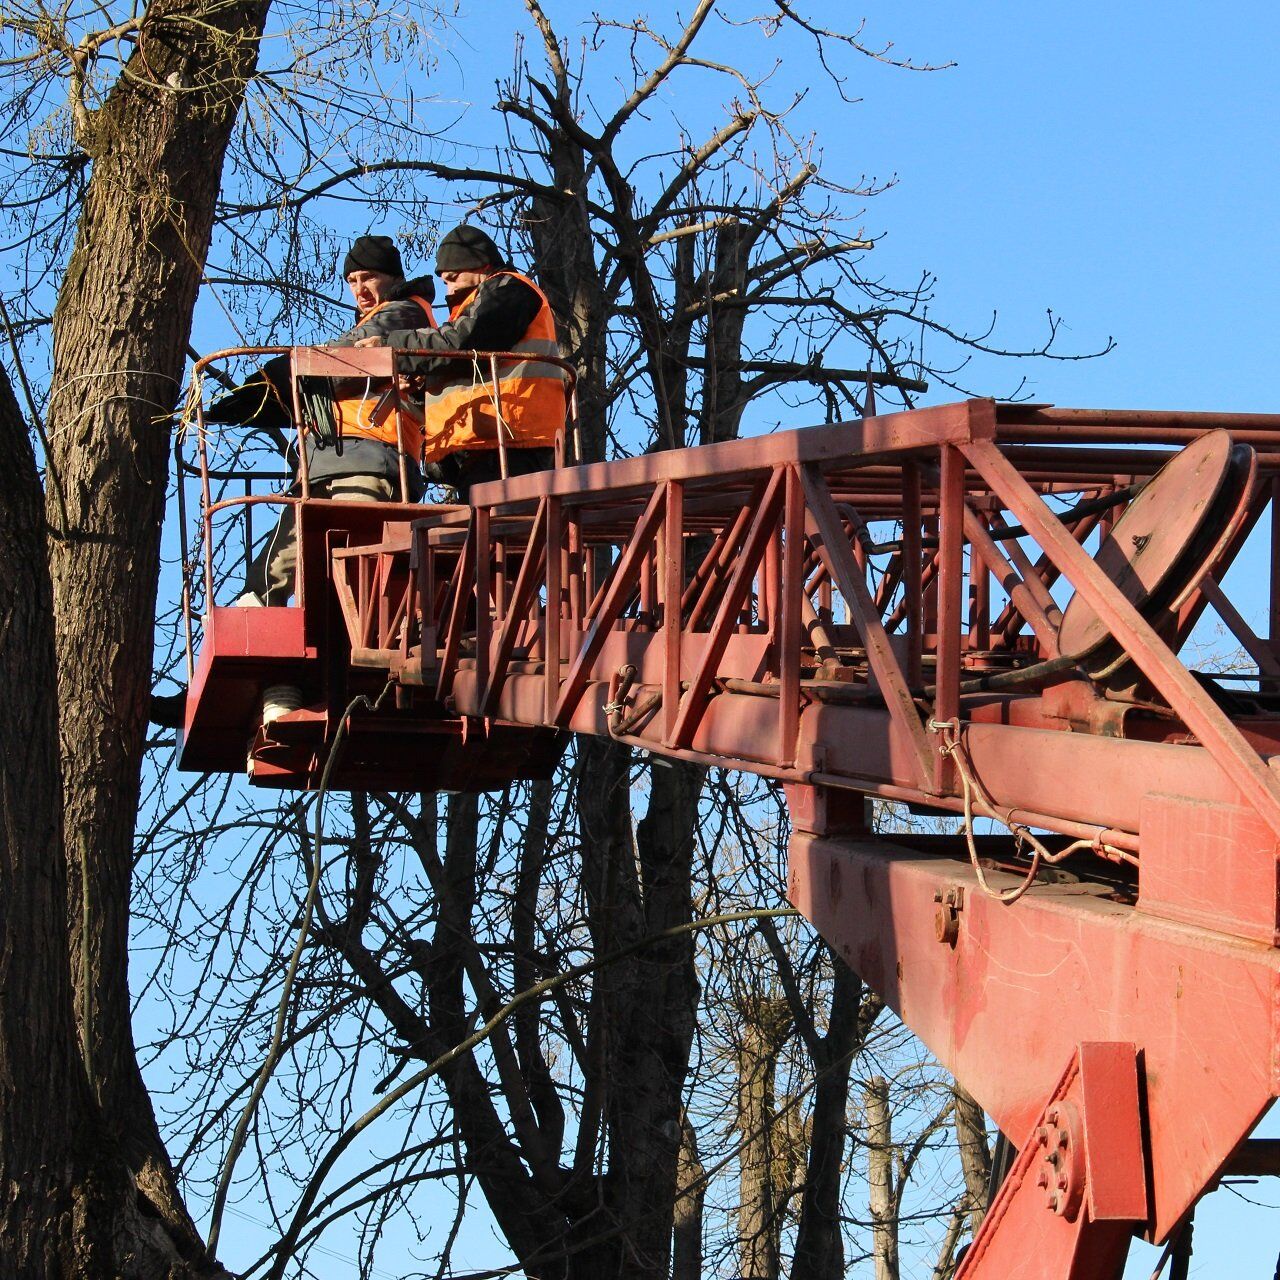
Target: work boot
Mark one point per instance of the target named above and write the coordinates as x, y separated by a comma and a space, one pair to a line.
279, 700
169, 710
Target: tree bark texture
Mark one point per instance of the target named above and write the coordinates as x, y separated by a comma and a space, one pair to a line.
563, 251
880, 1178
54, 1221
819, 1251
763, 1026
121, 326
686, 1253
641, 1022
975, 1155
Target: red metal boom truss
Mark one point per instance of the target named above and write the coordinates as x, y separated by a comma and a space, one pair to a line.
897, 608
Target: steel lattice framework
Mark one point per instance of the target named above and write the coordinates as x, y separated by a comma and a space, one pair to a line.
976, 609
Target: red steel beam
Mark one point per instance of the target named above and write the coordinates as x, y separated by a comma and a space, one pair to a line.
1021, 591
1070, 1204
517, 608
898, 433
693, 703
619, 587
1004, 996
789, 635
1201, 715
827, 535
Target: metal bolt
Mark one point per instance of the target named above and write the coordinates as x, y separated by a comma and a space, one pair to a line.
1054, 1202
946, 925
1043, 1179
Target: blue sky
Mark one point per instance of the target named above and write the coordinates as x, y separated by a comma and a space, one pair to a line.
1116, 162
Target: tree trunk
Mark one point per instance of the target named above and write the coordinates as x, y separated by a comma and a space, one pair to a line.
975, 1155
819, 1251
763, 1027
975, 1164
564, 263
880, 1189
641, 1021
51, 1219
646, 1116
68, 1208
686, 1254
120, 333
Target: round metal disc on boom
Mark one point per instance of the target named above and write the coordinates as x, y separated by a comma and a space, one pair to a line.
1169, 535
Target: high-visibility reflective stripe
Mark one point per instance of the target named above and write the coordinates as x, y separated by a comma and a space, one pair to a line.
354, 413
398, 429
532, 394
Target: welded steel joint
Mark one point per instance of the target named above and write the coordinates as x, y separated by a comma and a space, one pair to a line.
1062, 1171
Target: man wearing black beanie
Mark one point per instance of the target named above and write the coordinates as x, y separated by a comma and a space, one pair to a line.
492, 307
363, 463
373, 253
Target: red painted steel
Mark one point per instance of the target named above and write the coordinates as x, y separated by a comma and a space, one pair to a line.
1006, 1006
1076, 1191
876, 609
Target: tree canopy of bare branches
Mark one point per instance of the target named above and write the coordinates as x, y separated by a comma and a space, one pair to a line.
581, 1002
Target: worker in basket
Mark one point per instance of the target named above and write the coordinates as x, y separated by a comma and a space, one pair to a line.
354, 437
492, 308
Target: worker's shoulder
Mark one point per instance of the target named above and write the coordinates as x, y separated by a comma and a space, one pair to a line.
405, 302
510, 295
510, 281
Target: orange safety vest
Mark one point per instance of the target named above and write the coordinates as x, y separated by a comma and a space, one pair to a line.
463, 414
353, 405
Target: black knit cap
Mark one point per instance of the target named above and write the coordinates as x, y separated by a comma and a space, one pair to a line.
467, 249
373, 253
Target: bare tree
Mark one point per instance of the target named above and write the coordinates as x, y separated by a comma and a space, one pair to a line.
128, 117
763, 1027
521, 976
686, 1252
61, 1189
975, 1164
882, 1186
152, 135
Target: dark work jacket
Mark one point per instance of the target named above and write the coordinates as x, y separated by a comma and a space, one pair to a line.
368, 457
500, 314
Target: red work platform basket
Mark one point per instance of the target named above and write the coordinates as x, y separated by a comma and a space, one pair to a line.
414, 740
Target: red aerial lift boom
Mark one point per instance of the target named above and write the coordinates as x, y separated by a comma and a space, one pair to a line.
975, 609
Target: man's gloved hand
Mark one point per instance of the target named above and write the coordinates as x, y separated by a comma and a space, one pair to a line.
262, 400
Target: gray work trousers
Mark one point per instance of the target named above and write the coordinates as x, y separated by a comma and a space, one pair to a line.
270, 576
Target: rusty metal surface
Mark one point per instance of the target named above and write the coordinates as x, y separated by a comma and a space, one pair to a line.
870, 610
